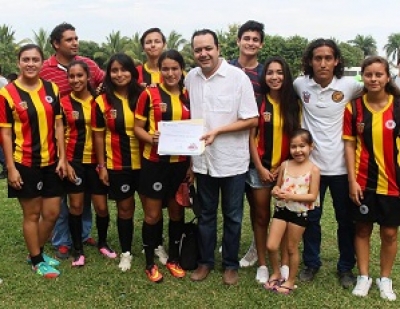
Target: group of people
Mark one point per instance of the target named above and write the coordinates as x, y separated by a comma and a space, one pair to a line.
275, 140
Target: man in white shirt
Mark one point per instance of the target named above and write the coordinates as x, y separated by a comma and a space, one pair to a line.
324, 94
223, 96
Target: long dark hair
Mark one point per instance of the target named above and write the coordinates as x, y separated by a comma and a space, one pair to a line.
134, 89
85, 67
308, 55
390, 87
175, 55
289, 105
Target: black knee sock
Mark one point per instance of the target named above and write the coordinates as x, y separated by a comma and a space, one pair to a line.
148, 236
174, 235
41, 250
102, 229
159, 233
125, 234
75, 228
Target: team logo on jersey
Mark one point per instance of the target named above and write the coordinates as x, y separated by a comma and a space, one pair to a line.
125, 188
337, 96
267, 116
360, 127
157, 186
75, 115
306, 97
23, 105
390, 124
78, 181
113, 113
39, 185
163, 107
49, 99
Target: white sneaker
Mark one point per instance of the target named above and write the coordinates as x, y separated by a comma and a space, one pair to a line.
250, 258
285, 272
362, 287
262, 274
385, 287
162, 254
125, 261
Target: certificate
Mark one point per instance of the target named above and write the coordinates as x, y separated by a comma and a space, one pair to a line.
181, 137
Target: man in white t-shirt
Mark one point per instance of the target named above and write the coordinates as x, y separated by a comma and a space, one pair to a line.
324, 93
223, 96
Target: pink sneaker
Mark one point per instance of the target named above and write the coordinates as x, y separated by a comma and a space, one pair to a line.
78, 261
107, 251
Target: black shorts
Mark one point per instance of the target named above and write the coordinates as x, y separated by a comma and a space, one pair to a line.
382, 209
38, 181
88, 180
123, 184
161, 180
287, 215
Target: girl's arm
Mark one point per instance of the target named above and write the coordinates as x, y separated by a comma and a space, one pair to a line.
62, 163
355, 191
276, 190
313, 192
14, 178
144, 136
99, 149
264, 174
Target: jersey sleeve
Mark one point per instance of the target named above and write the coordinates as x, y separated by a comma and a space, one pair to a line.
348, 133
97, 119
57, 105
143, 105
6, 117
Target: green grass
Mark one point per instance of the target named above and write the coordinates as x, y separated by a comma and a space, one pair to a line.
100, 284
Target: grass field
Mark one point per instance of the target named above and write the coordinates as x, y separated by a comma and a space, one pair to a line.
100, 284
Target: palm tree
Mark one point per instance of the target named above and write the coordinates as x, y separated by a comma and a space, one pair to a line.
134, 49
115, 44
175, 40
8, 49
41, 38
392, 47
366, 43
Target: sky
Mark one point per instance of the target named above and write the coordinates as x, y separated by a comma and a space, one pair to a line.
95, 20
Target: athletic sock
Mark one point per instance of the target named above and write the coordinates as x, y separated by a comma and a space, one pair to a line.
174, 235
125, 234
102, 228
148, 236
75, 228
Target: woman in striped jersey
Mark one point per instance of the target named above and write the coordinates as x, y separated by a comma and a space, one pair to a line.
33, 141
81, 168
117, 149
372, 144
269, 147
162, 175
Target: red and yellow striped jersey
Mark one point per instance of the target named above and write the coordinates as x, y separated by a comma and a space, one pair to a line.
272, 142
156, 104
78, 129
377, 146
31, 114
117, 120
147, 76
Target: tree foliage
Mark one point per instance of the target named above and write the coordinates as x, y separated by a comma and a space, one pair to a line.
290, 48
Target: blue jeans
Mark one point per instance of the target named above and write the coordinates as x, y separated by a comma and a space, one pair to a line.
339, 189
61, 234
232, 194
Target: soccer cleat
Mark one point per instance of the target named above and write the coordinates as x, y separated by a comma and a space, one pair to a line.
62, 252
175, 269
385, 288
47, 259
45, 271
362, 287
162, 254
78, 261
90, 242
250, 258
125, 261
153, 274
107, 251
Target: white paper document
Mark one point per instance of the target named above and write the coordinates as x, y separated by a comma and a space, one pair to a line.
181, 138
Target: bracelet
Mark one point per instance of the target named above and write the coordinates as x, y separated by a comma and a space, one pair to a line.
99, 166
